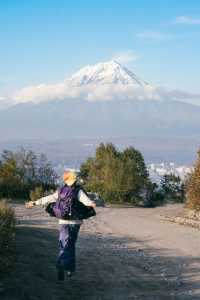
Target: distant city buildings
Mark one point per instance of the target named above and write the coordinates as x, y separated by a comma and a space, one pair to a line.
158, 170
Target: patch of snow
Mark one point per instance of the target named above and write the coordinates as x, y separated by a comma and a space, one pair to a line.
110, 72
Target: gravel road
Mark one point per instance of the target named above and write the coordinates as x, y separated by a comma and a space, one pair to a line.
123, 253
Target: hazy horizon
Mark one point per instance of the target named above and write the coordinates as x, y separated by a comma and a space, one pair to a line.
73, 152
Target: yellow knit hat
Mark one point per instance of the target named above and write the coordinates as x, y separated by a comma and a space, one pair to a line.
69, 177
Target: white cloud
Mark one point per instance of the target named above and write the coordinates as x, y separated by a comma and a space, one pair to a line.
187, 20
126, 57
106, 92
154, 35
5, 102
181, 95
42, 92
45, 92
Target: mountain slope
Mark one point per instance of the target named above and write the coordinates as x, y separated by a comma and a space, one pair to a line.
76, 118
126, 106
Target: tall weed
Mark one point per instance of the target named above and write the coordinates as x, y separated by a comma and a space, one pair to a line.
7, 237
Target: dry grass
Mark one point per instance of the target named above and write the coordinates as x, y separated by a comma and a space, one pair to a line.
7, 237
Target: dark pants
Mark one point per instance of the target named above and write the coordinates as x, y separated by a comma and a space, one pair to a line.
68, 234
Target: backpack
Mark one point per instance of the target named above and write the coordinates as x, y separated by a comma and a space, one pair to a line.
68, 207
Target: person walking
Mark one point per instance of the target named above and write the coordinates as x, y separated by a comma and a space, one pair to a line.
68, 228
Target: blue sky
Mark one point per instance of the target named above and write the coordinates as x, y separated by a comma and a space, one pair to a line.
44, 40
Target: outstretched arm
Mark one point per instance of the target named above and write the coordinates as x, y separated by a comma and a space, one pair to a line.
42, 201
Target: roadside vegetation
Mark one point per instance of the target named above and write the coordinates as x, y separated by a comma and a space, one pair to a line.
122, 177
23, 173
193, 187
7, 237
170, 190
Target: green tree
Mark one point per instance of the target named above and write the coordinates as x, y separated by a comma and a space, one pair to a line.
23, 171
45, 175
116, 176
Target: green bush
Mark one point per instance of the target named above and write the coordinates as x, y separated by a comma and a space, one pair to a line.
172, 188
36, 194
117, 176
7, 237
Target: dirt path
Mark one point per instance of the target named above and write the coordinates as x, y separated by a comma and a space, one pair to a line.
121, 254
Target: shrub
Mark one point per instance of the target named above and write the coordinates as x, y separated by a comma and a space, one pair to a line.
7, 237
172, 188
157, 198
193, 187
36, 193
154, 195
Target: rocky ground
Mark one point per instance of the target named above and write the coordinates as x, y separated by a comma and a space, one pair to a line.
123, 253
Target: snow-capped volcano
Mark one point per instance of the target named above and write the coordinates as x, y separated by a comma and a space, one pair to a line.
110, 72
100, 82
104, 100
104, 81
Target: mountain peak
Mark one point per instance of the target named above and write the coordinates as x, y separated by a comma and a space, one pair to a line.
110, 72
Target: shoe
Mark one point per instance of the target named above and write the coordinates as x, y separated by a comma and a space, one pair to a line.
60, 274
